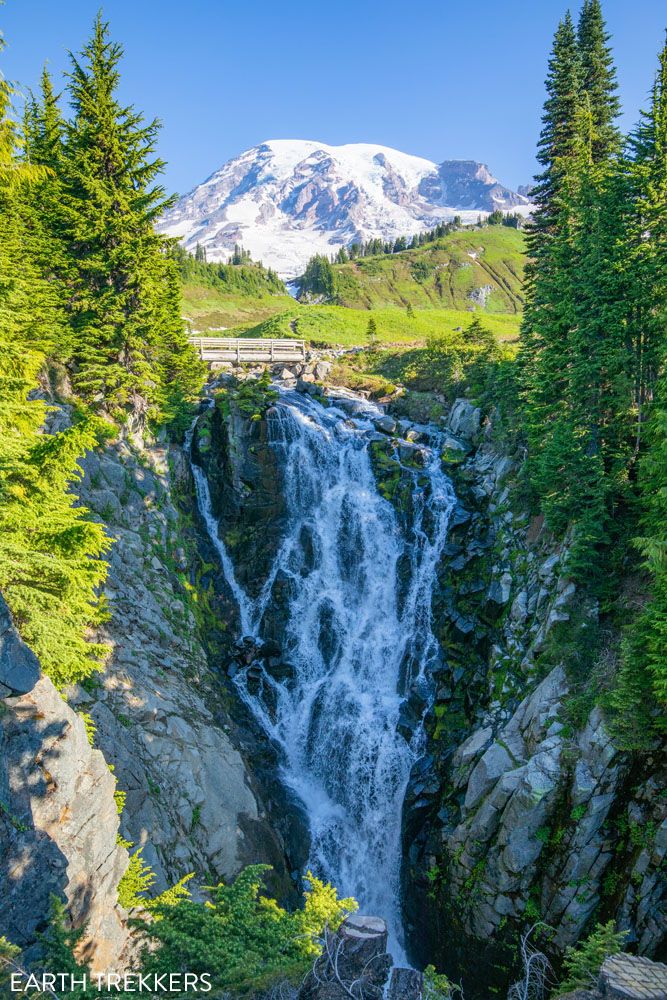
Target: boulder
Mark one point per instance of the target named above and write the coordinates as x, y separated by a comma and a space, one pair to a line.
386, 424
464, 419
500, 590
405, 984
631, 977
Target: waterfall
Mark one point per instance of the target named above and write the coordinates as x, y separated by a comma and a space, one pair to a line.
358, 631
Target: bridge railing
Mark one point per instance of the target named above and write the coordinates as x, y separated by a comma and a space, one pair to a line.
249, 349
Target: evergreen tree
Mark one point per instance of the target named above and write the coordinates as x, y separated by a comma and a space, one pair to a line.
50, 565
598, 79
319, 278
645, 227
112, 199
640, 698
574, 360
371, 333
548, 312
46, 243
559, 135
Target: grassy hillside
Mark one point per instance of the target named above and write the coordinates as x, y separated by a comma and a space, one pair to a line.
228, 295
338, 325
208, 308
435, 281
440, 275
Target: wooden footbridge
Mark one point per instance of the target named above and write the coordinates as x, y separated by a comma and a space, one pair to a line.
249, 349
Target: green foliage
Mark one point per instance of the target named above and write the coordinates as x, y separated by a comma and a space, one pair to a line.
137, 879
439, 274
245, 279
59, 945
134, 887
437, 986
92, 231
582, 962
50, 553
252, 397
593, 348
9, 954
319, 278
329, 324
241, 937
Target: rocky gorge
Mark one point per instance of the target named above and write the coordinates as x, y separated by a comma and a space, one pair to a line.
510, 802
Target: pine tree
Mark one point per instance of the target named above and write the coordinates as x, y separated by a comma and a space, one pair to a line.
319, 278
50, 565
598, 79
640, 698
645, 240
112, 199
548, 312
44, 222
559, 135
574, 360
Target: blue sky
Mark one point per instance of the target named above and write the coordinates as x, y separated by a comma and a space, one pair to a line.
438, 78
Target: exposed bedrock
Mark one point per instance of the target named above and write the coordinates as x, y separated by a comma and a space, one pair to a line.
520, 809
199, 779
58, 818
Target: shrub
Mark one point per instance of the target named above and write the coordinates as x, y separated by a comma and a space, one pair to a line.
241, 938
583, 961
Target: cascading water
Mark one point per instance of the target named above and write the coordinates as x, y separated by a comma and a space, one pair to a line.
357, 632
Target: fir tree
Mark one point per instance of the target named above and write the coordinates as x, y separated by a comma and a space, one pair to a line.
559, 135
371, 333
112, 200
319, 278
45, 232
640, 697
598, 79
50, 565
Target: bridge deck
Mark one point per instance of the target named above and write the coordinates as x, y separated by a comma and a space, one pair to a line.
248, 349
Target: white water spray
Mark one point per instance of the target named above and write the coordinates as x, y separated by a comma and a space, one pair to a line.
359, 579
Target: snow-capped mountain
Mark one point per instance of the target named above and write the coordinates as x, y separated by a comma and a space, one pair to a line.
286, 200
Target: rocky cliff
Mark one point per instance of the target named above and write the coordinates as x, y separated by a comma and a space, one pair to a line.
522, 810
58, 817
161, 711
169, 747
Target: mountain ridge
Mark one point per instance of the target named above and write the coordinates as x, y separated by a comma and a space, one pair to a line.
285, 200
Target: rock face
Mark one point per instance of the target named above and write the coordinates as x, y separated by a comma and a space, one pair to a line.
58, 817
245, 484
162, 716
519, 812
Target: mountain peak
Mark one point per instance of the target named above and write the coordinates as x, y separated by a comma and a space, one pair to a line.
286, 199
